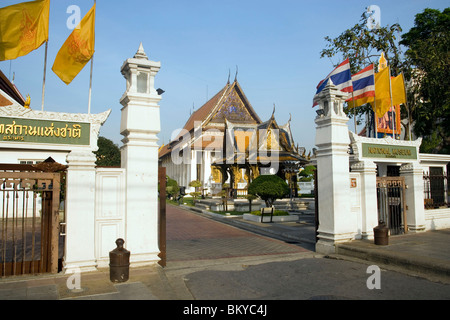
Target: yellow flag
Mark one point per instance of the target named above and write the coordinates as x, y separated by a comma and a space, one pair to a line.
23, 28
77, 50
398, 90
360, 102
382, 92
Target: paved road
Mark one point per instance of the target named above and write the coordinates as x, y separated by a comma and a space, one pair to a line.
210, 260
194, 237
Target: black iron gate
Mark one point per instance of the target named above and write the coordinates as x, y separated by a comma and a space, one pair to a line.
391, 203
29, 225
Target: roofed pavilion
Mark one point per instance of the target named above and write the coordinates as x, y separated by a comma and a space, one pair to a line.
226, 141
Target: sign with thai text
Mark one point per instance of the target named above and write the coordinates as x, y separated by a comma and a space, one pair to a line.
371, 150
44, 131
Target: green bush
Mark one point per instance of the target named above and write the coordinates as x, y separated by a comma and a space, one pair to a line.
172, 187
196, 184
269, 188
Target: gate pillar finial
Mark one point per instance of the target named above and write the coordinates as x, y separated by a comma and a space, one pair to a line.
140, 124
336, 223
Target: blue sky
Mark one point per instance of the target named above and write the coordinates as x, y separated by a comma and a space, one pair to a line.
275, 44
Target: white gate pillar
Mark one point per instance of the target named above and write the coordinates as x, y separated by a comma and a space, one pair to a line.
336, 221
80, 212
79, 253
368, 174
415, 212
140, 123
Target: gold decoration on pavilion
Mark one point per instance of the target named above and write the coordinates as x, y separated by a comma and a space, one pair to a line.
255, 171
237, 175
233, 109
216, 174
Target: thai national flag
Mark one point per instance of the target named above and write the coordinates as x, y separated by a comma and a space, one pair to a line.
341, 78
364, 83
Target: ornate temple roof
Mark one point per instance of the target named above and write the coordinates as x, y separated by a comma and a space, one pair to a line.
9, 94
230, 112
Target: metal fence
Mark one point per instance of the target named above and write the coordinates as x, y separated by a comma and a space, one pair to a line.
29, 238
436, 191
391, 203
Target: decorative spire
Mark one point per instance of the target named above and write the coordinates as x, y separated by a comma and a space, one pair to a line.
140, 54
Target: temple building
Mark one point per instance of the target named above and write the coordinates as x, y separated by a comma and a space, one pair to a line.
225, 141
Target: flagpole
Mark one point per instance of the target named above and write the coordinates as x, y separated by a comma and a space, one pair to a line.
90, 85
45, 69
375, 118
407, 109
354, 111
90, 81
392, 107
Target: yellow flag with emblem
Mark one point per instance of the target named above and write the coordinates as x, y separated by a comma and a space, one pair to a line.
398, 90
77, 50
382, 92
23, 28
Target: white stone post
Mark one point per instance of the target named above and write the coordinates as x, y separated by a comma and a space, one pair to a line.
415, 212
368, 174
336, 221
140, 123
79, 253
80, 212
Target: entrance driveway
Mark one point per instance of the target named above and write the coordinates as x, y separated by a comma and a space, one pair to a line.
193, 237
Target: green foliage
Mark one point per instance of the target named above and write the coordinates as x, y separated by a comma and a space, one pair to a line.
269, 188
195, 194
251, 197
172, 187
428, 61
363, 47
307, 174
108, 153
195, 184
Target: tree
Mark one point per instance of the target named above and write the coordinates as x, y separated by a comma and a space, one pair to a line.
196, 184
307, 174
428, 59
363, 47
172, 187
108, 153
269, 188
